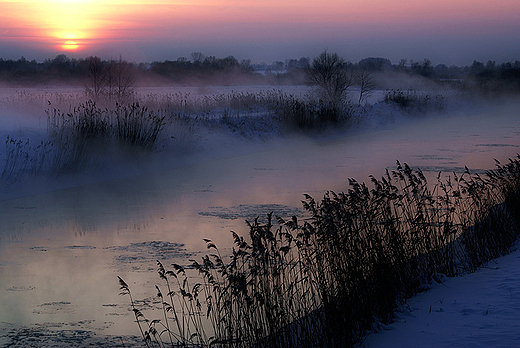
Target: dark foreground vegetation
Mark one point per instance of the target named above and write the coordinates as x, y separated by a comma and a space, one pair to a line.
327, 279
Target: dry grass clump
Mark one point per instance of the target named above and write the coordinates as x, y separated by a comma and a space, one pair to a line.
87, 135
213, 105
412, 101
307, 113
324, 281
82, 139
127, 125
23, 161
293, 113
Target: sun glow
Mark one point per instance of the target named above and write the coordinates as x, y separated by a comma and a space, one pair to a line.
92, 26
70, 46
70, 41
69, 23
61, 25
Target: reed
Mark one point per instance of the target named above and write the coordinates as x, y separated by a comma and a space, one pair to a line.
24, 161
82, 139
293, 113
413, 101
324, 281
131, 125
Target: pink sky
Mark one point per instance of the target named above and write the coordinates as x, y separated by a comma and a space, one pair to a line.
447, 31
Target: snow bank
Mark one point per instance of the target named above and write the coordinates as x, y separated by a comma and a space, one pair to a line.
481, 309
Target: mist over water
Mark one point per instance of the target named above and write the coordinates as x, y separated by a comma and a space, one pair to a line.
65, 240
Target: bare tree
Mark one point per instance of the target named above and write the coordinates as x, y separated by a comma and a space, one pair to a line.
330, 73
366, 84
97, 78
124, 78
403, 63
197, 58
110, 78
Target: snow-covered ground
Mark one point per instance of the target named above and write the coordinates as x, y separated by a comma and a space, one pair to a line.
481, 309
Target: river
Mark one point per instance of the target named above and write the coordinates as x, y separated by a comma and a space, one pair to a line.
62, 250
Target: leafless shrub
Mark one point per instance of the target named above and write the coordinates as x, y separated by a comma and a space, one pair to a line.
330, 73
366, 82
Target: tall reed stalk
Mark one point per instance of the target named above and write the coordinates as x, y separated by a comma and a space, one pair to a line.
325, 281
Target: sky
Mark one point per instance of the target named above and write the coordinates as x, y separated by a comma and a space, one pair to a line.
444, 31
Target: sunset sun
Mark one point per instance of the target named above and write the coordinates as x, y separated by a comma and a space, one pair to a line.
70, 46
262, 30
69, 40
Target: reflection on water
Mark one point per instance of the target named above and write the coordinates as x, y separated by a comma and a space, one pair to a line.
60, 252
250, 212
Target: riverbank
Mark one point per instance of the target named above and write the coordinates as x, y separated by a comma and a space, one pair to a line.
480, 309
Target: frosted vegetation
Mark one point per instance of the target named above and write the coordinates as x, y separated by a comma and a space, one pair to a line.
319, 280
81, 134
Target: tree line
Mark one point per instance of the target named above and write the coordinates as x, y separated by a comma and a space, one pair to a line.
71, 70
109, 74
